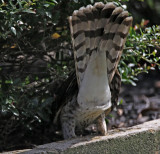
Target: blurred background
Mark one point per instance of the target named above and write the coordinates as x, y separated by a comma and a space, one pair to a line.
36, 58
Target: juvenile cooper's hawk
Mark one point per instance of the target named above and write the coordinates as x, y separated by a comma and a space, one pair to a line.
98, 35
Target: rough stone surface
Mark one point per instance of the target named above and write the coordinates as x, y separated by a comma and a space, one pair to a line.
140, 139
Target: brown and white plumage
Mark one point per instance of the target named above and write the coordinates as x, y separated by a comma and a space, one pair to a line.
99, 27
98, 35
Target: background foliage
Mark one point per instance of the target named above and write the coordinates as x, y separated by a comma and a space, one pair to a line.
36, 56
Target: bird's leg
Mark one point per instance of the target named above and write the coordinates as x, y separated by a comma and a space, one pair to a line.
101, 124
68, 121
68, 128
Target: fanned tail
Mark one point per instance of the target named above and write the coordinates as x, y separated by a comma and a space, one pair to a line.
102, 27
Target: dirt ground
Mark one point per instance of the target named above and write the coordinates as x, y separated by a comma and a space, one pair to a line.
140, 103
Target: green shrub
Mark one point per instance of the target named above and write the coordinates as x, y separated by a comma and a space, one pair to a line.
39, 29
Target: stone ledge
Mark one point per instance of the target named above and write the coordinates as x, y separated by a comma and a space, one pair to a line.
142, 139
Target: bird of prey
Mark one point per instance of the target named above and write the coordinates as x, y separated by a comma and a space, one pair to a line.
98, 34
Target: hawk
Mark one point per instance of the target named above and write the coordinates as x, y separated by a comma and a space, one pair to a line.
98, 36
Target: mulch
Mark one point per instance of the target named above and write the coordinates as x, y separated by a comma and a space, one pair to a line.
140, 103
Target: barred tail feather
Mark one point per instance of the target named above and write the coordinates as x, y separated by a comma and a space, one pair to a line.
101, 28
